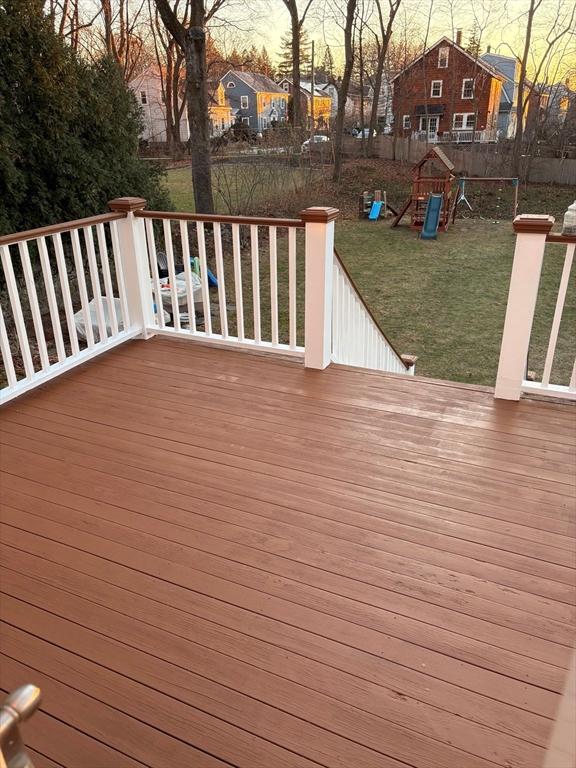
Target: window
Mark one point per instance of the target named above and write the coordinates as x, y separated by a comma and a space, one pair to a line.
443, 57
286, 86
143, 97
463, 121
282, 104
468, 88
273, 103
243, 102
231, 84
406, 122
436, 89
246, 120
264, 123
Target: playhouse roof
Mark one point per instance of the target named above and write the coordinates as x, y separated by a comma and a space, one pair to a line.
436, 154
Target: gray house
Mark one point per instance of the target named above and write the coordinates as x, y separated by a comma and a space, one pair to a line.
255, 99
509, 67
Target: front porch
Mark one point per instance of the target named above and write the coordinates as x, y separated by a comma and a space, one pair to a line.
215, 557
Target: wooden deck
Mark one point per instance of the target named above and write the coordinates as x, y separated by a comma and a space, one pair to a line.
212, 558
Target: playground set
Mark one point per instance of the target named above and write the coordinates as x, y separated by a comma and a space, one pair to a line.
433, 200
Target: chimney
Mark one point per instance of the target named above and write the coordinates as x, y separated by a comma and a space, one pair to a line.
459, 37
488, 48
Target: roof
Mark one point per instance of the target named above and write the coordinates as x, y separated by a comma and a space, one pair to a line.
306, 85
436, 153
255, 80
446, 40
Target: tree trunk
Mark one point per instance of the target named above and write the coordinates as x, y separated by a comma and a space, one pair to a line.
522, 102
343, 90
197, 104
386, 35
296, 100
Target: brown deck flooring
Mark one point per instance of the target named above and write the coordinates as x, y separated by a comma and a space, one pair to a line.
213, 558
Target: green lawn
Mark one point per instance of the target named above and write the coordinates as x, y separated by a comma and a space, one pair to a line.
445, 300
442, 300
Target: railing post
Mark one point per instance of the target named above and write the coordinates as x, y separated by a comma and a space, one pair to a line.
531, 234
319, 257
134, 259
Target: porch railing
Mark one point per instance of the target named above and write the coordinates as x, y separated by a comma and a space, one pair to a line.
76, 290
534, 245
461, 136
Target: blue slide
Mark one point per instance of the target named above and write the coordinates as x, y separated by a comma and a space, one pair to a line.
432, 217
375, 210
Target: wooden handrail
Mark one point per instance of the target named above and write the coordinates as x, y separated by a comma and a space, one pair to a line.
53, 229
220, 218
367, 308
557, 237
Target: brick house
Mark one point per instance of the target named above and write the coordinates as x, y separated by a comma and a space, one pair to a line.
447, 95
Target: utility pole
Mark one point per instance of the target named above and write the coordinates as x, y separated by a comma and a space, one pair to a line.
312, 89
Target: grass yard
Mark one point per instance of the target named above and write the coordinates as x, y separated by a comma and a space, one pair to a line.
239, 188
442, 300
445, 300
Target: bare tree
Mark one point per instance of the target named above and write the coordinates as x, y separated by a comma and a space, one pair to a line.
190, 37
383, 42
351, 7
296, 26
561, 25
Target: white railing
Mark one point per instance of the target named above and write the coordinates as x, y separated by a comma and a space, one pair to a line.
357, 338
532, 236
76, 290
252, 265
64, 300
462, 136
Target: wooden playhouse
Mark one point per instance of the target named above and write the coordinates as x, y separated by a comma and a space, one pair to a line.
433, 174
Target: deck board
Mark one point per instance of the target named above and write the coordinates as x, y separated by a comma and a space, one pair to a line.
221, 558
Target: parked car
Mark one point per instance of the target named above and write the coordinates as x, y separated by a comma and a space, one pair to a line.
364, 133
313, 142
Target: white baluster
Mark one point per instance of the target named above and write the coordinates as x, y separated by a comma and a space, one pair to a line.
153, 263
558, 310
95, 280
82, 290
66, 296
201, 237
255, 255
34, 306
272, 234
237, 255
6, 352
188, 275
167, 228
103, 249
6, 257
221, 280
51, 296
292, 288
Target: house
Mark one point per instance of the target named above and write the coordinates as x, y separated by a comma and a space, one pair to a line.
219, 109
360, 98
255, 99
148, 88
317, 107
509, 68
446, 94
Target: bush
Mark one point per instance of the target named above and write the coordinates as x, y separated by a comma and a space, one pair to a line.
68, 129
